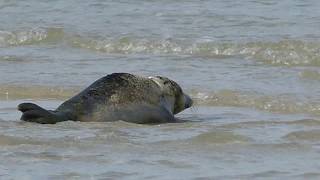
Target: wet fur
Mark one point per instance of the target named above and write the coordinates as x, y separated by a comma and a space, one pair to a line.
118, 96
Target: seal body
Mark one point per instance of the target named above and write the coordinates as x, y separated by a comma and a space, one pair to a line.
118, 96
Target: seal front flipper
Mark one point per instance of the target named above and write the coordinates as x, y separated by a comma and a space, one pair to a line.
34, 113
146, 114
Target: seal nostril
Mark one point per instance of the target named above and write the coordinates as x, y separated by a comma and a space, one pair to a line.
188, 101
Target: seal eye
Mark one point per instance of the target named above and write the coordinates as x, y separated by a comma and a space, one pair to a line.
160, 77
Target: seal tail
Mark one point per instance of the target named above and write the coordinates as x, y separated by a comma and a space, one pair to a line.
34, 113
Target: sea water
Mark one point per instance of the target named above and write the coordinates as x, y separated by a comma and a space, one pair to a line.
252, 68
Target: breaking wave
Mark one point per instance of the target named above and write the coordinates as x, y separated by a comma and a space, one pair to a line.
29, 37
282, 52
285, 52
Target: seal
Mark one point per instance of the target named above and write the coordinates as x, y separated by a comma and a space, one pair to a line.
117, 96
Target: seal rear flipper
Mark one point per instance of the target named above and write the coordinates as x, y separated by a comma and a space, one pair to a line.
23, 107
34, 113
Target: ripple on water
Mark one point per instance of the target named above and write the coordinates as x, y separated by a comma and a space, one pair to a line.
15, 141
309, 136
216, 137
308, 175
286, 103
310, 74
252, 124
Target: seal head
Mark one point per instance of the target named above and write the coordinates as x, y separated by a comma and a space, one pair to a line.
173, 94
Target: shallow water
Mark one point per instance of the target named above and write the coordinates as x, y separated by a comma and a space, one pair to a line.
252, 68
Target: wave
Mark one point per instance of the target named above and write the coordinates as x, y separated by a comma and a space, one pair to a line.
287, 52
218, 137
310, 74
284, 52
30, 37
250, 124
288, 104
311, 135
13, 141
36, 92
